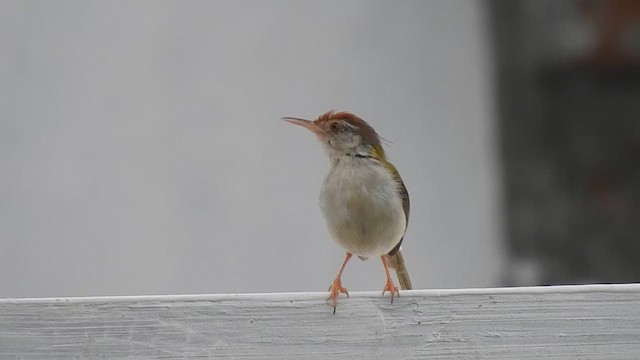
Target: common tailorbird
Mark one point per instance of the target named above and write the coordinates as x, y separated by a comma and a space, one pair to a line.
363, 198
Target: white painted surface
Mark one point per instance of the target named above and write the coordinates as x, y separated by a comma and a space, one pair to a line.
577, 322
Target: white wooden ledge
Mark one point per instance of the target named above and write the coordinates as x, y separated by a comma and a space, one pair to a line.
565, 322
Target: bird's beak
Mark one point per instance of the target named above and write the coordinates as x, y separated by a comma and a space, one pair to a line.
306, 124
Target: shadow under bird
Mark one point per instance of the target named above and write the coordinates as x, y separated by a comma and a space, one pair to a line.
363, 198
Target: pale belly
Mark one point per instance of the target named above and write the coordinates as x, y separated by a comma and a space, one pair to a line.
363, 210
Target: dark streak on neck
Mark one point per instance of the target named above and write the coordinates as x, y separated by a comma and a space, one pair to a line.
361, 156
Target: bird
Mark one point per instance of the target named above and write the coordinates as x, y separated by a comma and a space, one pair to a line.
363, 198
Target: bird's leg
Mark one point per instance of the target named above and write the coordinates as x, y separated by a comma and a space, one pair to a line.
389, 286
336, 287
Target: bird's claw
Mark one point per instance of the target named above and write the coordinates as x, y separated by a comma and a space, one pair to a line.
390, 287
334, 291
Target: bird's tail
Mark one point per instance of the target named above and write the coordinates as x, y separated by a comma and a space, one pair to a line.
396, 262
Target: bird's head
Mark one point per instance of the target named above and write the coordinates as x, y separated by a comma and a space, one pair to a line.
343, 133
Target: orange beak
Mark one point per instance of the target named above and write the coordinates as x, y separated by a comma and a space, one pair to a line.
308, 124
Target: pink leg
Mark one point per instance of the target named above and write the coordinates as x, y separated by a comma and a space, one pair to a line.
389, 286
336, 287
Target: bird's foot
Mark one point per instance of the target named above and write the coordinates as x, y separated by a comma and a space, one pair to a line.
334, 290
390, 287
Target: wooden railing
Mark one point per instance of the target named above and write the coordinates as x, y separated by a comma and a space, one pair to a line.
559, 322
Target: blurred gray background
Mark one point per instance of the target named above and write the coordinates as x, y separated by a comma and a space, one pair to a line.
141, 150
568, 111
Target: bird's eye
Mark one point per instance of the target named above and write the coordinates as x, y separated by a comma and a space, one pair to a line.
335, 126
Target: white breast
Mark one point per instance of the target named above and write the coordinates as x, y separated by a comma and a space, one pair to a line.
360, 202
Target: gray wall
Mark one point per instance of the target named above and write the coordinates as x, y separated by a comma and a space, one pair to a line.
141, 150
